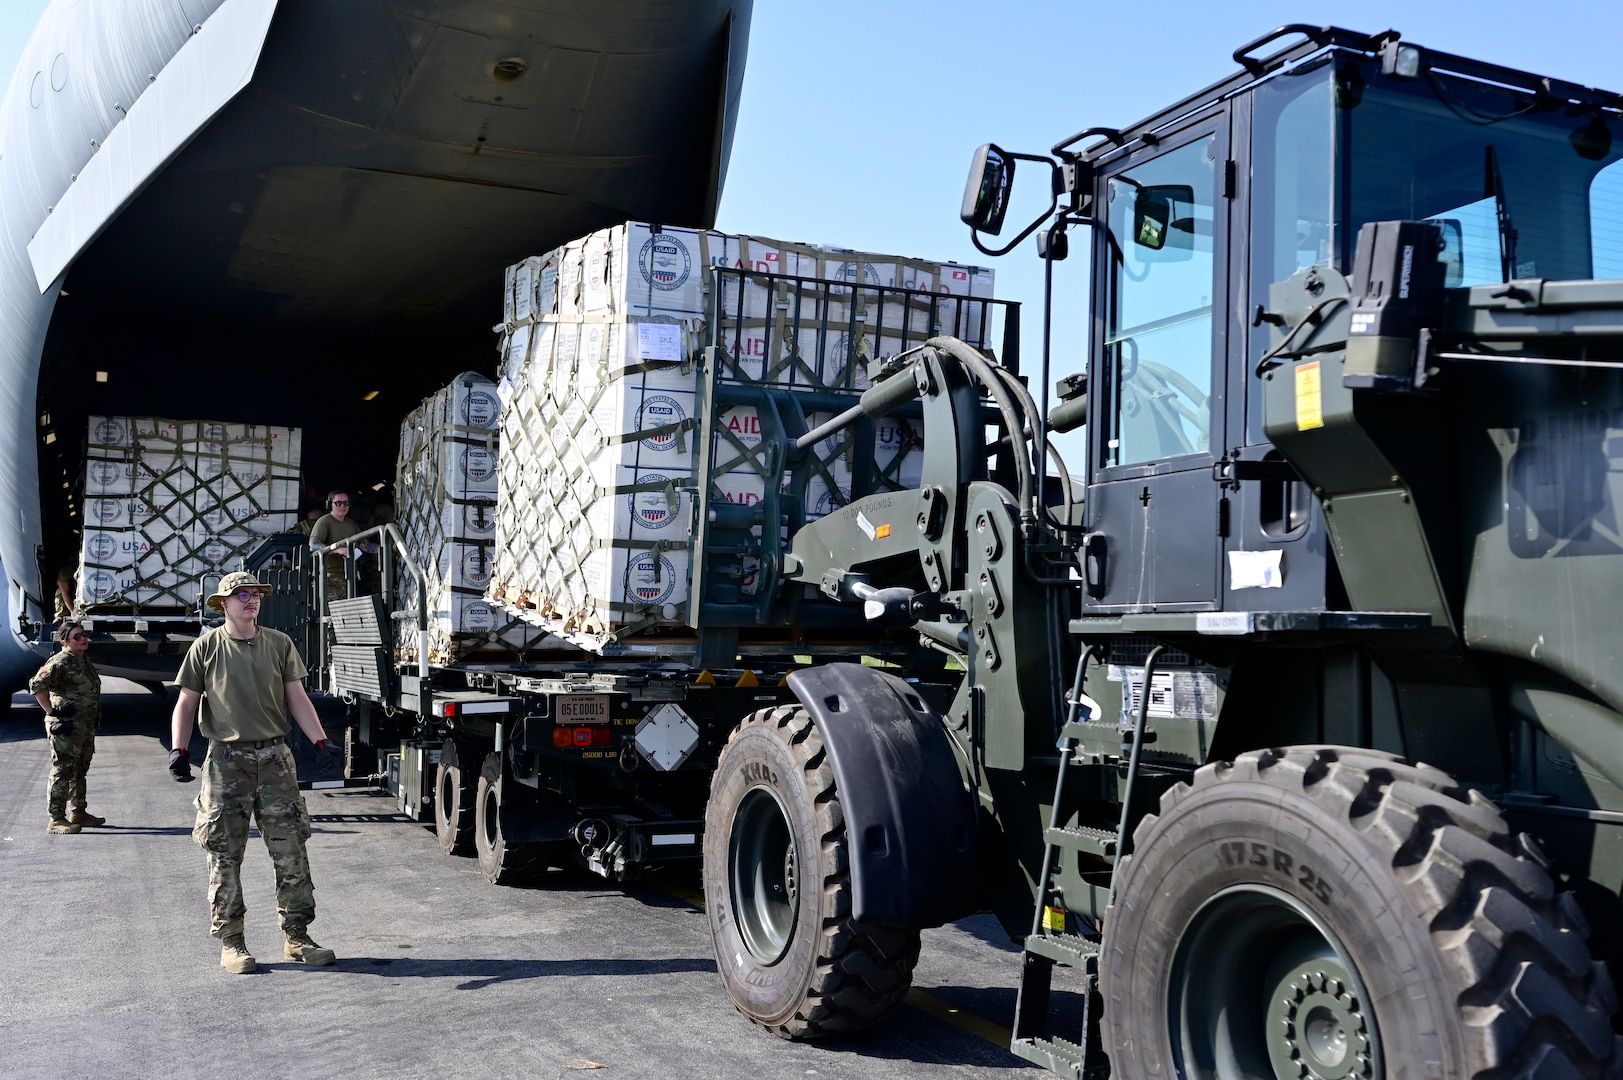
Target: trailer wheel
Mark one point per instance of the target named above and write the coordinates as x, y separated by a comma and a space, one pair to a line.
777, 889
454, 791
1336, 913
503, 863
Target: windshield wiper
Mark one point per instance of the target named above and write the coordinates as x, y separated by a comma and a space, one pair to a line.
1501, 205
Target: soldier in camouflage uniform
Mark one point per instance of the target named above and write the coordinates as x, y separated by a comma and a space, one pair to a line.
69, 690
245, 677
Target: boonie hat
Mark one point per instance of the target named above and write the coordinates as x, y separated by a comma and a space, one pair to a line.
229, 584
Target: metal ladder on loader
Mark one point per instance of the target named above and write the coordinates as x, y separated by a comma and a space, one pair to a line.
1048, 943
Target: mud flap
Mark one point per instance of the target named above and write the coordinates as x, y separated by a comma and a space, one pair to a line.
909, 818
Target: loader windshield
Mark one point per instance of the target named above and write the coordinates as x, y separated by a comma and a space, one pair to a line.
1522, 188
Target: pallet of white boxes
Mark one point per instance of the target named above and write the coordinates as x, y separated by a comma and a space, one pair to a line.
445, 492
168, 502
597, 474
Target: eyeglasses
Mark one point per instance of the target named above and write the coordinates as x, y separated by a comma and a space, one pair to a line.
246, 595
78, 637
340, 502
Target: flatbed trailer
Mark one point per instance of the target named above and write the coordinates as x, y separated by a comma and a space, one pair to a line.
602, 755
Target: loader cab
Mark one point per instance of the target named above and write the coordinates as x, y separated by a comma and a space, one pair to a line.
1202, 209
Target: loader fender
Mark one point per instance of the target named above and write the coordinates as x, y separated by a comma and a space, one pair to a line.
910, 821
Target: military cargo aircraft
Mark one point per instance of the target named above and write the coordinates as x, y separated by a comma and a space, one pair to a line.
298, 213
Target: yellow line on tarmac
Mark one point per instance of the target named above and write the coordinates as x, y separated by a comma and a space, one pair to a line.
979, 1026
925, 1002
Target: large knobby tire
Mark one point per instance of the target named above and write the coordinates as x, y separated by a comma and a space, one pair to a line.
777, 888
1335, 913
454, 793
503, 863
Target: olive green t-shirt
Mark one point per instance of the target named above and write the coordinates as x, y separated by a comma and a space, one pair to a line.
328, 530
242, 683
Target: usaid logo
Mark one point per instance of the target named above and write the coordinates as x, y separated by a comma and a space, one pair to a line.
99, 584
657, 411
831, 500
652, 509
860, 273
891, 436
478, 617
745, 425
475, 567
105, 511
478, 464
109, 432
100, 546
478, 520
480, 409
213, 551
640, 578
106, 472
665, 262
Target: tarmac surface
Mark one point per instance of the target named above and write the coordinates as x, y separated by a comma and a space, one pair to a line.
107, 968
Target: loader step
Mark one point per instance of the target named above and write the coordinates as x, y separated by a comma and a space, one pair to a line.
1100, 843
1072, 950
1054, 1054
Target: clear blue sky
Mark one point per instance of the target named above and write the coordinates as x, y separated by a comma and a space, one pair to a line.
858, 118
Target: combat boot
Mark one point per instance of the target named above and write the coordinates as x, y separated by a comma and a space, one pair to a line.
84, 818
58, 825
234, 955
302, 949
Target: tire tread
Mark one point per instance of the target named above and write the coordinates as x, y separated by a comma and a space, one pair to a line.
1533, 1002
862, 972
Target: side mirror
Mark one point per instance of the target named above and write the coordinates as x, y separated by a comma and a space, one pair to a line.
1153, 220
986, 194
1453, 254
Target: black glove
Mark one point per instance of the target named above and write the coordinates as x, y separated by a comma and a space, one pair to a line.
180, 765
329, 756
66, 711
59, 725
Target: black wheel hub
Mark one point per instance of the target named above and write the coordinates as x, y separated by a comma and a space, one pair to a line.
1261, 987
763, 875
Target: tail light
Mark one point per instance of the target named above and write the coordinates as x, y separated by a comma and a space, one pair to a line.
578, 738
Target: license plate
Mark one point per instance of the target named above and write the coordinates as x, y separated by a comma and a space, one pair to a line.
582, 709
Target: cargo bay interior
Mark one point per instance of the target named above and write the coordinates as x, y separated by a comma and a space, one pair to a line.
325, 238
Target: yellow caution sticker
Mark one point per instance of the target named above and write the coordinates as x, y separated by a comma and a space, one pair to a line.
1054, 919
1309, 402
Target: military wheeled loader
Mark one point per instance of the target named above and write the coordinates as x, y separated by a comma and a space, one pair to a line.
1292, 722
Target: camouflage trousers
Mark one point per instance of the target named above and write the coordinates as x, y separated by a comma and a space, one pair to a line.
70, 760
239, 783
